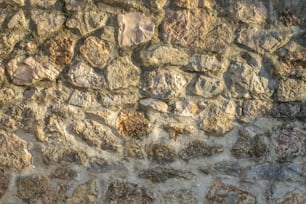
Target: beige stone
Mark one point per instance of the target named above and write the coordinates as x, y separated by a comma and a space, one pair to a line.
208, 87
155, 104
85, 193
291, 90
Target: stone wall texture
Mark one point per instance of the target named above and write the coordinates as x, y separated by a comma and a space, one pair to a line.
153, 101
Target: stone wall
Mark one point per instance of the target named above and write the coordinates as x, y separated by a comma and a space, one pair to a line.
153, 101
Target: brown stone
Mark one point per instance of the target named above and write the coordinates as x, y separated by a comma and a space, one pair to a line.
221, 193
134, 28
133, 125
4, 183
134, 149
161, 153
14, 153
175, 129
64, 173
155, 104
86, 193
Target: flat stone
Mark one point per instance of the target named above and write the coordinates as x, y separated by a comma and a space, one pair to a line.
64, 173
291, 90
87, 21
263, 41
28, 70
230, 168
96, 135
120, 191
208, 87
187, 27
155, 104
35, 189
95, 51
161, 174
14, 153
290, 144
160, 54
205, 63
84, 76
220, 192
121, 73
85, 193
218, 117
134, 28
182, 196
161, 153
164, 83
133, 125
199, 149
47, 22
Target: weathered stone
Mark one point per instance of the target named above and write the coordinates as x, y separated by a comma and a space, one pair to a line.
84, 76
157, 4
164, 83
35, 189
98, 164
102, 115
13, 2
155, 104
185, 108
291, 90
248, 146
18, 21
4, 12
182, 196
218, 39
61, 49
294, 197
42, 3
95, 134
231, 168
121, 73
289, 18
120, 191
119, 100
205, 63
290, 144
133, 125
263, 41
2, 74
86, 193
87, 21
134, 28
81, 98
188, 4
187, 27
134, 149
198, 149
64, 172
175, 129
208, 87
223, 193
161, 174
273, 171
218, 117
95, 51
161, 153
256, 108
4, 183
135, 4
289, 110
14, 153
79, 5
160, 54
47, 22
28, 70
8, 40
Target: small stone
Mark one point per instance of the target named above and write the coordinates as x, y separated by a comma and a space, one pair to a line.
130, 4
220, 192
161, 174
164, 83
263, 41
129, 97
175, 129
161, 54
81, 98
85, 193
102, 115
182, 196
84, 76
199, 149
121, 73
134, 28
64, 173
291, 90
133, 125
42, 3
98, 164
208, 87
61, 49
161, 153
293, 197
290, 144
155, 104
87, 21
79, 5
27, 71
18, 21
218, 117
47, 22
4, 183
35, 189
134, 149
14, 153
230, 168
185, 108
96, 135
187, 27
205, 63
120, 191
95, 51
248, 146
8, 40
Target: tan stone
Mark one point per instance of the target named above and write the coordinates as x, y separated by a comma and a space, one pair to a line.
43, 3
134, 28
155, 104
208, 87
18, 21
4, 183
86, 193
175, 129
205, 63
161, 153
291, 90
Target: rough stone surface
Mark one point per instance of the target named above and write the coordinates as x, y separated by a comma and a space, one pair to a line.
182, 196
161, 153
4, 183
208, 87
291, 90
205, 63
86, 193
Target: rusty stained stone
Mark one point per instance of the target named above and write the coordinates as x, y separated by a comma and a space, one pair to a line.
134, 28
